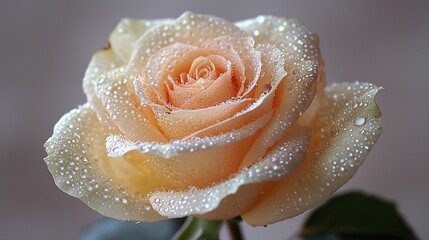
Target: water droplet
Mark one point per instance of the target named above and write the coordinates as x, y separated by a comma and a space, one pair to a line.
359, 121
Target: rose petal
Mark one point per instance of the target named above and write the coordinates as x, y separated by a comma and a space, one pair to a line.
307, 117
191, 121
102, 62
133, 119
177, 58
215, 201
245, 59
189, 28
272, 74
195, 162
345, 129
171, 60
289, 35
221, 90
116, 54
117, 146
296, 92
179, 94
128, 31
77, 160
249, 112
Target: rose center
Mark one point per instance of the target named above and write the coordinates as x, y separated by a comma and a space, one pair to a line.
207, 81
202, 68
183, 76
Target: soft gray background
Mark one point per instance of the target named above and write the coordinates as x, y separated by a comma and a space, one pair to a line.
46, 45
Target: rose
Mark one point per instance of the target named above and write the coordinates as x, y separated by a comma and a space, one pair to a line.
199, 116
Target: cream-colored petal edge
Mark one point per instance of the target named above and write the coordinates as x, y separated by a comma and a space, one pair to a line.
75, 152
116, 54
345, 128
128, 31
279, 163
117, 146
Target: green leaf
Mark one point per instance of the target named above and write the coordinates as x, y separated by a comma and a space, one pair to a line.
111, 229
196, 228
355, 216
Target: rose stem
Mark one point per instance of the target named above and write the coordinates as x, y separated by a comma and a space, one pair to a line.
234, 229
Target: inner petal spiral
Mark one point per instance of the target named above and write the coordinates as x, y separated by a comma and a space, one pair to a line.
188, 77
203, 67
184, 76
197, 87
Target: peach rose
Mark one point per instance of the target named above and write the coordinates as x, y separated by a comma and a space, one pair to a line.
199, 116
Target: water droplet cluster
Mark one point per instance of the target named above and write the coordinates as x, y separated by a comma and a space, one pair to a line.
276, 165
346, 127
117, 146
76, 157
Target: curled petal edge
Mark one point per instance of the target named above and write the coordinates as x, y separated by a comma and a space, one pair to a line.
75, 159
276, 165
117, 146
346, 126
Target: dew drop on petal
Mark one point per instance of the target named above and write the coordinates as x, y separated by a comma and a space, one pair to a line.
359, 121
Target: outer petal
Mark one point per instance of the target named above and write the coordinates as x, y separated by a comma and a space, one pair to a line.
124, 108
102, 62
307, 117
128, 31
345, 129
194, 162
289, 35
189, 28
118, 146
77, 160
231, 197
297, 90
116, 54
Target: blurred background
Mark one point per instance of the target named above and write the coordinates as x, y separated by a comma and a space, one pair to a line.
45, 46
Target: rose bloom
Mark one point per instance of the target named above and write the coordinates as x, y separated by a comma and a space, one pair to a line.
202, 117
